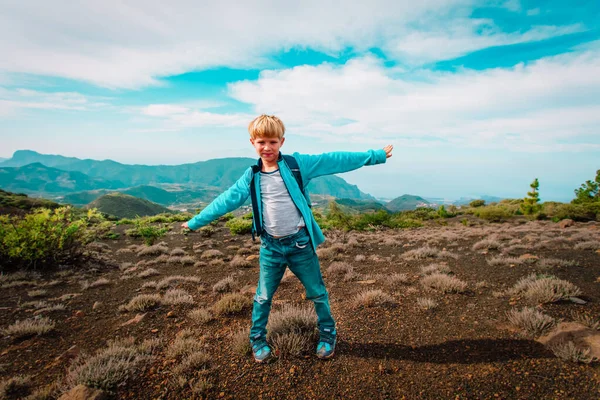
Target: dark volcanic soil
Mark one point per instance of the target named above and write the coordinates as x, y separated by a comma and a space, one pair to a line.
464, 348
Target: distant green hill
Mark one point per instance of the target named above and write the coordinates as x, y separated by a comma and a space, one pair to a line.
405, 202
150, 193
38, 178
126, 206
17, 203
361, 205
217, 174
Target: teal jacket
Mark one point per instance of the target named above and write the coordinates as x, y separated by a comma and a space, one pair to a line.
311, 166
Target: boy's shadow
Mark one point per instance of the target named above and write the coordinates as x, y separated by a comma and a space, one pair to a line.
464, 351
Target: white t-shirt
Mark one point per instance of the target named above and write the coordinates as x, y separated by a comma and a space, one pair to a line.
281, 217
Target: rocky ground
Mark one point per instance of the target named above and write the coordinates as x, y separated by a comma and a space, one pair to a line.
413, 339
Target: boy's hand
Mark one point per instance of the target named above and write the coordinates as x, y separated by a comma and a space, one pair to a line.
388, 150
185, 225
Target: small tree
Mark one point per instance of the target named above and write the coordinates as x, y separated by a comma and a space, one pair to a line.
530, 203
589, 191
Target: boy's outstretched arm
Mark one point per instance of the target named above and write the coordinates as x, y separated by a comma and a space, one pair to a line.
337, 162
226, 202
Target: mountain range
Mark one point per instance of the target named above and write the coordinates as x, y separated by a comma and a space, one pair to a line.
82, 181
79, 182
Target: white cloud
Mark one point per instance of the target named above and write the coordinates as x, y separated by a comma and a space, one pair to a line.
177, 117
113, 44
461, 37
542, 105
11, 101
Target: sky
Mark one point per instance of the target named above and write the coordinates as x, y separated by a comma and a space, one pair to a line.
477, 97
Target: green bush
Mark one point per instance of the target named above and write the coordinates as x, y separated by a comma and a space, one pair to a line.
142, 228
494, 213
239, 226
405, 223
477, 203
227, 217
443, 213
368, 220
42, 238
576, 212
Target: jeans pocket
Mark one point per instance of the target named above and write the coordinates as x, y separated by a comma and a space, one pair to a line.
302, 242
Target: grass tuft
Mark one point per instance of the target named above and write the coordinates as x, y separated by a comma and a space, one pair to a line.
29, 327
372, 298
444, 283
232, 303
532, 321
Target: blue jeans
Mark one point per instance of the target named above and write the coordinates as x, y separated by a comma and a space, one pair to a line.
296, 252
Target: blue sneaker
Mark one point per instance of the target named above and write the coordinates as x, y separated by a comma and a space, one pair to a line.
261, 351
326, 346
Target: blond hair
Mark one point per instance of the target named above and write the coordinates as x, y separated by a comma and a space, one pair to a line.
266, 126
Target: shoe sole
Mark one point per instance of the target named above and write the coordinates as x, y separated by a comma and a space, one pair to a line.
326, 357
266, 360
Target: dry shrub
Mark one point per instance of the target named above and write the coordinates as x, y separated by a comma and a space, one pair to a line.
240, 262
200, 315
396, 278
556, 262
503, 261
421, 253
372, 298
436, 268
587, 320
341, 269
232, 303
225, 285
532, 321
217, 262
54, 307
211, 253
37, 293
589, 245
148, 272
331, 252
174, 259
544, 288
360, 258
488, 244
184, 344
201, 386
244, 251
444, 283
16, 387
240, 342
292, 330
108, 368
173, 280
425, 303
515, 249
124, 251
178, 251
143, 302
192, 363
163, 258
569, 351
29, 327
160, 248
177, 296
149, 285
99, 282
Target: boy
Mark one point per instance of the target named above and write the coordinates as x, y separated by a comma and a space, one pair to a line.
283, 220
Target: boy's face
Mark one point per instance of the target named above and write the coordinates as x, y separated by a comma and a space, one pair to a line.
267, 148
